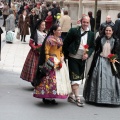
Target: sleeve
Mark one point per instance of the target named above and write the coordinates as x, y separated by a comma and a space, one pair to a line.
67, 41
32, 45
97, 43
47, 49
117, 48
61, 53
28, 21
101, 29
92, 46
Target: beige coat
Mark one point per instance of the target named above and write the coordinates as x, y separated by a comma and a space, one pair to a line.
65, 23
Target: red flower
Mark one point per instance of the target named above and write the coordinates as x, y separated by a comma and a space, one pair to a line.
111, 55
86, 46
60, 65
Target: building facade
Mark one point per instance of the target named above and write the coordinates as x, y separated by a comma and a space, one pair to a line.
78, 7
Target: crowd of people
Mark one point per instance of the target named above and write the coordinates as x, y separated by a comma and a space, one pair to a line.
53, 42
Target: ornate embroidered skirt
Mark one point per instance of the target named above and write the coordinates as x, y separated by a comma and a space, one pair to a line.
54, 85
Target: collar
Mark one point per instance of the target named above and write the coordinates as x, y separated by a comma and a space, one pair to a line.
84, 30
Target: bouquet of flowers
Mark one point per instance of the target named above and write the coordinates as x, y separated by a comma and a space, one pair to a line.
86, 49
113, 60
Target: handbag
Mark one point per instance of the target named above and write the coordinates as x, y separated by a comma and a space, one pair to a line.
49, 65
43, 71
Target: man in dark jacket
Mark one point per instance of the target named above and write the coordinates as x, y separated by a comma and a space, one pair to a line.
33, 20
104, 24
75, 47
54, 11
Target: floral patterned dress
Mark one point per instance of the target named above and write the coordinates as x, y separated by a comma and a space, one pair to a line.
56, 83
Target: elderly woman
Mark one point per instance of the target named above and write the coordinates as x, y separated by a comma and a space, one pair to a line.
10, 22
10, 27
103, 83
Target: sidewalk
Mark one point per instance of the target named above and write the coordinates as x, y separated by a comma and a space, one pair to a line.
13, 55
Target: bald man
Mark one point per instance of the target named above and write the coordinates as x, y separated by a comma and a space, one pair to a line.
104, 24
73, 49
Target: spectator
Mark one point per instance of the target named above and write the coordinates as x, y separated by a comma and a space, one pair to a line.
49, 21
33, 20
5, 12
104, 24
92, 21
65, 23
44, 12
10, 22
23, 25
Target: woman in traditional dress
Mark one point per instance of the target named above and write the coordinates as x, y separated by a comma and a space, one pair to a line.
30, 66
103, 83
56, 83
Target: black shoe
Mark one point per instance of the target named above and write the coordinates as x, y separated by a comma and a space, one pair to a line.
46, 101
24, 41
53, 102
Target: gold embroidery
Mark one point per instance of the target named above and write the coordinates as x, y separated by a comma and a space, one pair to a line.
75, 76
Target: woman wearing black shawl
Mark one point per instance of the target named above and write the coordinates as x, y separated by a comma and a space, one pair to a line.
55, 83
102, 85
30, 66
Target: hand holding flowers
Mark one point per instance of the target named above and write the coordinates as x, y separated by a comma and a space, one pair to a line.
85, 54
113, 60
38, 48
86, 49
